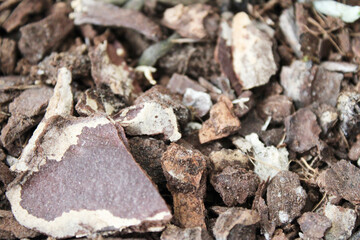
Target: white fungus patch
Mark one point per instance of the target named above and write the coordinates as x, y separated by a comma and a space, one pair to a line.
283, 217
268, 160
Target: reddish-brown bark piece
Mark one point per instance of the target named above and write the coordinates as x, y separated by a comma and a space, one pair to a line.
38, 38
26, 111
236, 223
326, 86
285, 198
179, 83
22, 12
313, 225
116, 76
7, 55
296, 80
342, 180
188, 21
76, 60
86, 155
11, 229
235, 184
109, 15
302, 130
185, 172
222, 121
278, 107
147, 153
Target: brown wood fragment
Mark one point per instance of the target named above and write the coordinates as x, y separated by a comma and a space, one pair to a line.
26, 111
285, 197
237, 223
314, 225
302, 130
185, 172
342, 180
222, 121
188, 21
38, 38
7, 55
104, 14
22, 12
235, 184
11, 229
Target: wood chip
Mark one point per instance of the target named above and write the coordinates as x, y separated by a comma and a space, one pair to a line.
222, 122
285, 197
302, 130
105, 14
185, 171
38, 38
188, 21
341, 180
253, 59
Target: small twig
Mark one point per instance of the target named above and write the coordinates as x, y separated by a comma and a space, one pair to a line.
19, 87
319, 203
316, 24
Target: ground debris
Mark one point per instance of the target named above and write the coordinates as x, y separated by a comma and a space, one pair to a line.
26, 111
38, 38
277, 107
7, 55
179, 83
341, 180
285, 198
11, 229
163, 96
348, 108
342, 221
45, 166
268, 161
189, 20
105, 14
118, 77
148, 152
302, 130
222, 121
296, 80
173, 232
326, 86
228, 157
235, 184
313, 225
22, 12
76, 60
185, 171
253, 59
236, 223
354, 151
